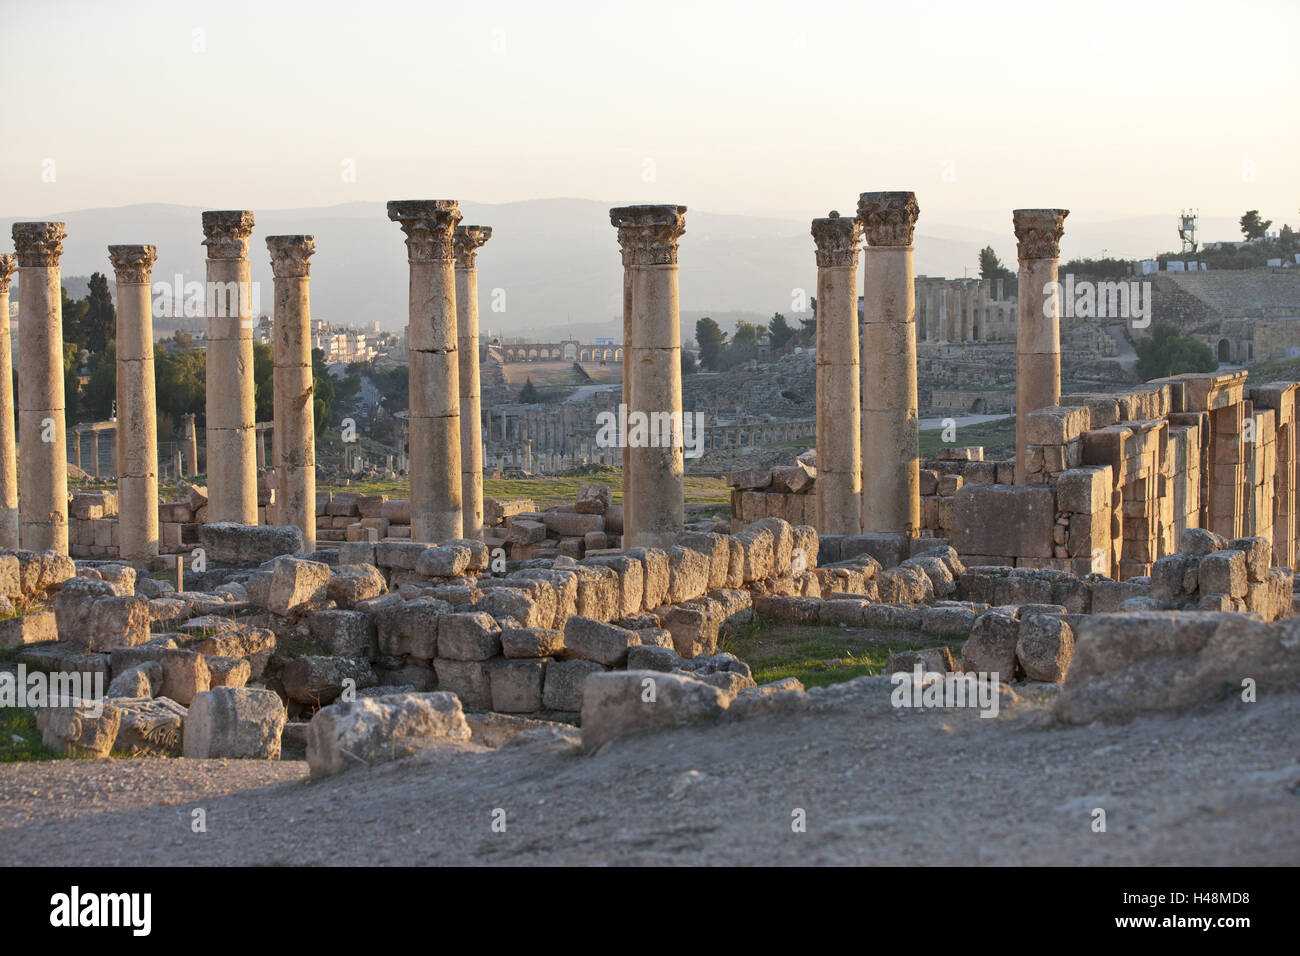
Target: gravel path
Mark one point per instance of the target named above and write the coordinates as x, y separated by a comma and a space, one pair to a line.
877, 786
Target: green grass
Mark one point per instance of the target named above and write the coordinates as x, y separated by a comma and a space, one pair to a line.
998, 439
817, 655
300, 647
20, 723
1279, 370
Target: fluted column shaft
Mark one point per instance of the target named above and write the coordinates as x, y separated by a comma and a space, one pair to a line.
468, 239
1038, 319
42, 435
231, 424
295, 395
839, 386
137, 431
891, 501
436, 503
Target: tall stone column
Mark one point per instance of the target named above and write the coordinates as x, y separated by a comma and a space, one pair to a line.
839, 376
468, 239
625, 244
137, 431
891, 473
190, 440
94, 448
435, 376
653, 365
295, 464
1038, 319
8, 429
231, 426
42, 435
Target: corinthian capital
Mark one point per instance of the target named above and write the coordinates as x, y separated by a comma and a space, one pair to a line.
429, 225
133, 264
467, 240
39, 243
226, 233
648, 234
888, 217
8, 263
290, 255
1038, 232
838, 240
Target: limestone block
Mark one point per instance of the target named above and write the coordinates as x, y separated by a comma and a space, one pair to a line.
149, 728
517, 685
185, 674
444, 561
563, 685
470, 681
991, 648
226, 542
592, 499
295, 583
350, 584
531, 642
594, 640
473, 636
1026, 516
234, 722
1223, 572
1056, 425
344, 633
631, 581
616, 704
375, 730
1045, 647
320, 680
80, 729
227, 671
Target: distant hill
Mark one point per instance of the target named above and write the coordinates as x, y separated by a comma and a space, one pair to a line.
557, 260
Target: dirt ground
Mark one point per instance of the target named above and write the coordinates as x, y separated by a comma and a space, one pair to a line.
876, 786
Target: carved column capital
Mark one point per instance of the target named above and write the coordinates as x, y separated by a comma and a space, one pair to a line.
39, 243
8, 263
467, 240
648, 235
226, 233
1038, 232
429, 225
888, 217
133, 264
290, 255
838, 239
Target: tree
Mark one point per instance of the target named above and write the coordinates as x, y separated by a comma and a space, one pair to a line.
1252, 227
991, 266
1168, 352
99, 326
712, 341
180, 384
748, 335
528, 394
101, 390
780, 330
322, 388
688, 363
263, 383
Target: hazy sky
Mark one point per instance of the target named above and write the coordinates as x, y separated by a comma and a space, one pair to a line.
790, 108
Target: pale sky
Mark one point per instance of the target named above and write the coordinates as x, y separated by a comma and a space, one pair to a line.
787, 108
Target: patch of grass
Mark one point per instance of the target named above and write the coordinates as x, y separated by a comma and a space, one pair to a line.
19, 738
550, 491
997, 437
817, 655
300, 647
1279, 370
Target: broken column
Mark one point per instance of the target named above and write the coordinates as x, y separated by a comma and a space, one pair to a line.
434, 421
8, 438
137, 432
891, 501
1038, 319
190, 441
295, 428
655, 453
839, 386
43, 466
231, 434
468, 239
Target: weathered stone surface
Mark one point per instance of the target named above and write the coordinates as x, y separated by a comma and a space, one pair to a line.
1026, 516
592, 499
517, 685
619, 703
318, 680
229, 543
653, 658
344, 633
227, 671
531, 642
185, 674
410, 627
149, 728
932, 660
81, 729
350, 584
759, 545
688, 575
142, 680
694, 630
598, 592
1045, 647
1223, 572
89, 613
39, 572
444, 561
370, 731
991, 648
655, 574
254, 644
591, 640
523, 604
564, 682
296, 583
234, 722
35, 627
631, 581
468, 637
470, 681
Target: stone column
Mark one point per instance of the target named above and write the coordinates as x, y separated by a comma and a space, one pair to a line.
435, 376
295, 428
891, 476
839, 376
42, 436
190, 438
75, 445
137, 432
8, 433
625, 244
232, 455
654, 367
1038, 319
94, 448
468, 239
